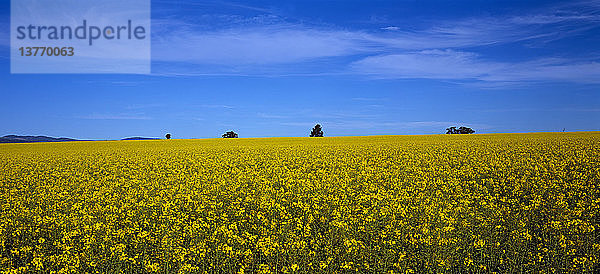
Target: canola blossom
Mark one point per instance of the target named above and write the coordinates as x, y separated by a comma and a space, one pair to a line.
393, 204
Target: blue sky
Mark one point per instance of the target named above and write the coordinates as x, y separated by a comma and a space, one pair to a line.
276, 68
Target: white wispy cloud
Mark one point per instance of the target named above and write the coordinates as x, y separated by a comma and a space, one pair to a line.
549, 69
367, 99
442, 51
458, 65
144, 106
256, 45
213, 4
217, 106
435, 64
271, 116
566, 109
115, 116
274, 40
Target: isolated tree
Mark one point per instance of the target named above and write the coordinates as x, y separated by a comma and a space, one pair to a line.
230, 134
465, 130
460, 130
316, 131
168, 136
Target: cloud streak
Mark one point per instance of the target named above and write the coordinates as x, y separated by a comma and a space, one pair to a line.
457, 65
447, 50
256, 46
118, 116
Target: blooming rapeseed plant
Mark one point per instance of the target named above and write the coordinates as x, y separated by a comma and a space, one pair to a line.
497, 203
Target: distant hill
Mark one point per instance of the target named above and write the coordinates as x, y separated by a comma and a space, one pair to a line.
139, 138
33, 139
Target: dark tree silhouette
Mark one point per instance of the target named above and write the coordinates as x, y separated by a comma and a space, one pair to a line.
316, 131
230, 134
465, 130
460, 130
168, 136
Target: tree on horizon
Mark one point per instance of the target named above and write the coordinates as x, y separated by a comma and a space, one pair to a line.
230, 134
316, 131
460, 130
168, 136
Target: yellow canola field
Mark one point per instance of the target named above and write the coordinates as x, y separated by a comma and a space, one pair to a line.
393, 204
